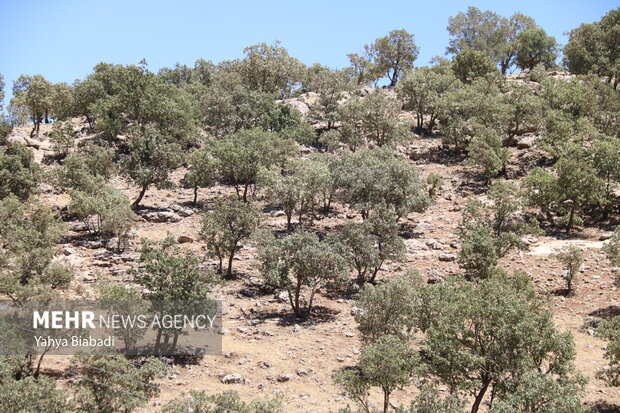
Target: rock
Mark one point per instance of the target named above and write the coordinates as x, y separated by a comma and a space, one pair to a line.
296, 328
89, 278
283, 378
233, 378
183, 239
357, 311
68, 250
605, 236
422, 226
277, 214
526, 142
415, 245
434, 277
161, 216
184, 212
264, 364
447, 257
282, 296
351, 215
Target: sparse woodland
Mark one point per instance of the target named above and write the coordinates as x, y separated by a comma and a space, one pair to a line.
375, 232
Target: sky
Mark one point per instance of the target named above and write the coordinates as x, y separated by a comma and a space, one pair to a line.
64, 39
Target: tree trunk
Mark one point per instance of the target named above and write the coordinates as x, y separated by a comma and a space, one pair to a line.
571, 218
386, 401
195, 195
230, 260
136, 203
479, 397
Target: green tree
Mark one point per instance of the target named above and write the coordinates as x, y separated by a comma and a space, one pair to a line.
270, 69
371, 178
394, 54
479, 349
362, 69
28, 238
28, 394
19, 173
471, 64
229, 223
85, 94
420, 91
228, 401
489, 232
610, 330
593, 48
372, 242
104, 210
486, 150
300, 264
387, 363
331, 86
151, 156
299, 189
33, 94
114, 384
202, 171
62, 137
374, 119
391, 307
571, 257
535, 47
489, 33
240, 156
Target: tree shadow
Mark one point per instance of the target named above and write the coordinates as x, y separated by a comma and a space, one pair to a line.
319, 315
606, 313
604, 407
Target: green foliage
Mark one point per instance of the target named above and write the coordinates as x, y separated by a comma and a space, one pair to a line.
228, 401
471, 64
388, 363
86, 169
168, 275
331, 86
138, 99
573, 187
85, 94
394, 54
28, 236
371, 178
33, 95
486, 150
593, 48
240, 156
229, 223
489, 232
270, 69
434, 182
115, 384
62, 137
524, 110
374, 119
152, 155
202, 171
300, 264
104, 210
612, 248
534, 47
489, 33
469, 108
468, 341
19, 173
391, 307
371, 243
303, 186
362, 70
421, 91
610, 330
28, 394
429, 401
571, 257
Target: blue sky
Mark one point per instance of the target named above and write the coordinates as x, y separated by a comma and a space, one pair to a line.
63, 40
